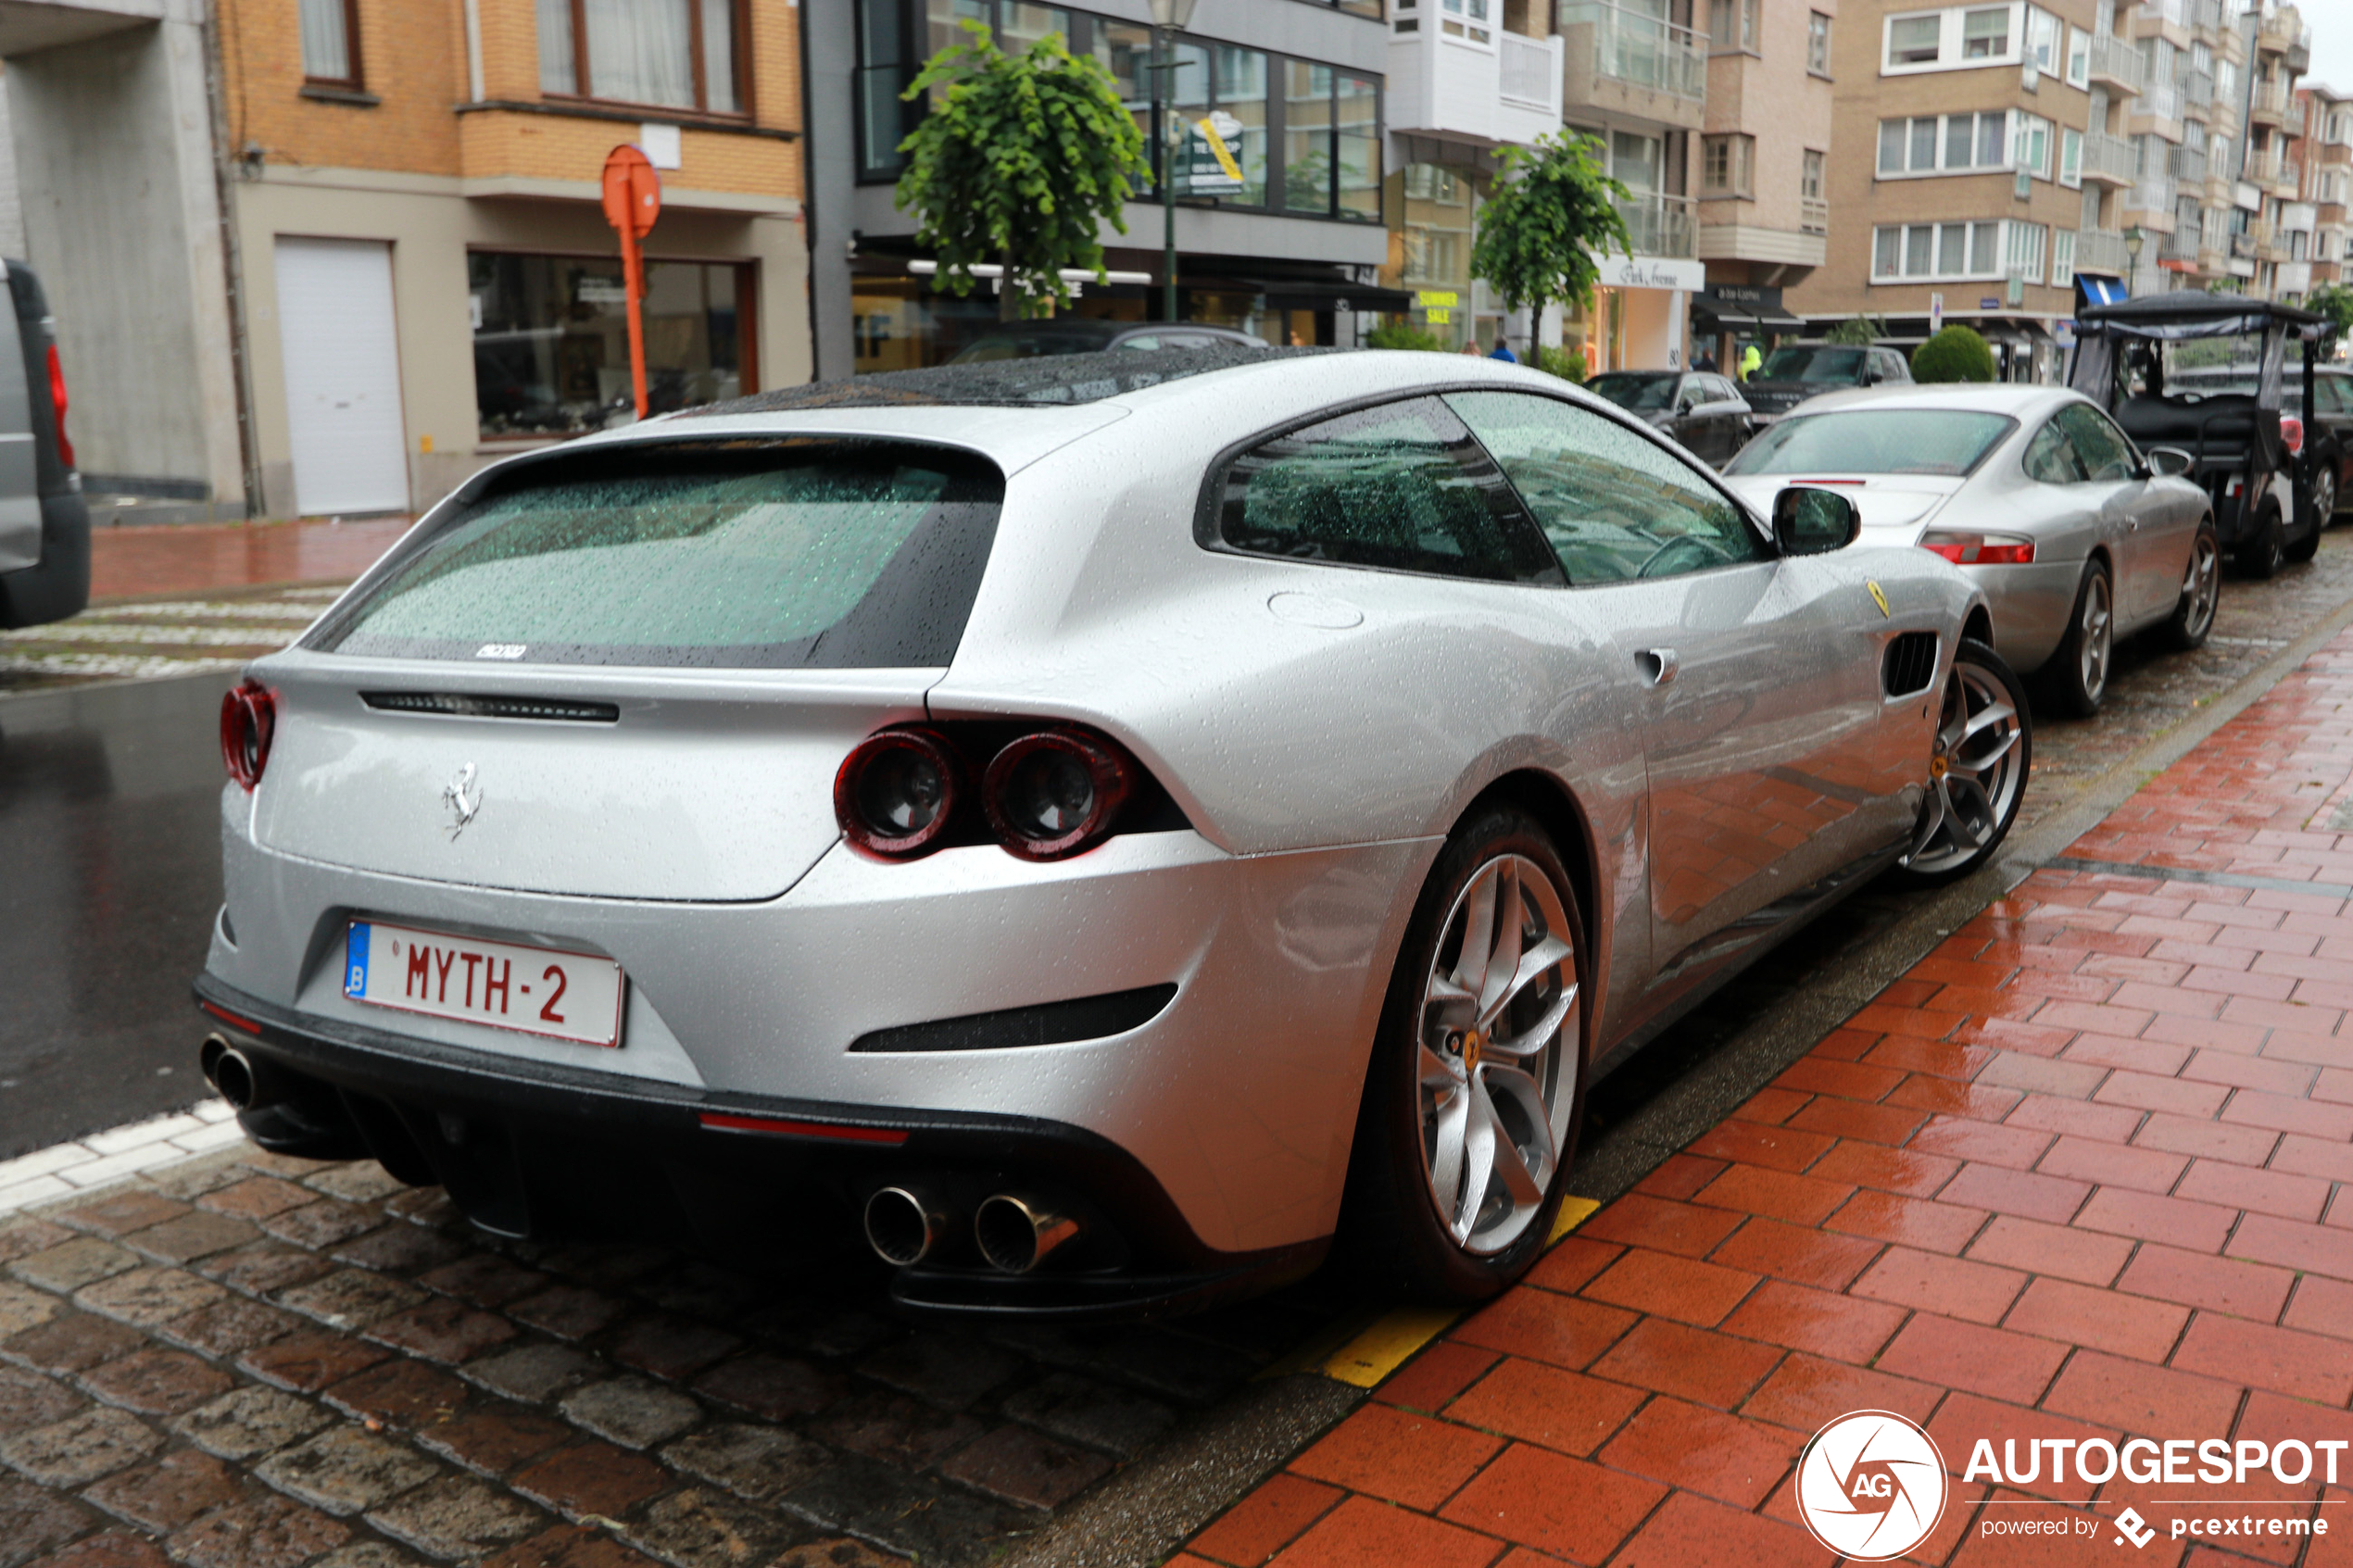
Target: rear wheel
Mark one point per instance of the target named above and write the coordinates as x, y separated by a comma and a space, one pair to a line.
2324, 490
2264, 551
1476, 1087
2201, 592
2076, 678
1978, 767
2307, 545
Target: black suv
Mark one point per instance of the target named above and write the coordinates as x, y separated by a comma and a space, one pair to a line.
1797, 371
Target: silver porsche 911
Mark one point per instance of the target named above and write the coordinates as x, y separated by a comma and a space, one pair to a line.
2078, 539
1105, 829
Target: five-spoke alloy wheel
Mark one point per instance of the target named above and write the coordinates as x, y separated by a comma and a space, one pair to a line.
1472, 1100
1977, 765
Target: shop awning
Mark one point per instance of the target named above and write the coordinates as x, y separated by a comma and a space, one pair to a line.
2100, 291
1723, 317
1773, 318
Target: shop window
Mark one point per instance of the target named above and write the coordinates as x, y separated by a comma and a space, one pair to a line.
330, 42
551, 340
668, 53
1331, 142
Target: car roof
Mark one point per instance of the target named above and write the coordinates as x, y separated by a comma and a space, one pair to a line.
2016, 399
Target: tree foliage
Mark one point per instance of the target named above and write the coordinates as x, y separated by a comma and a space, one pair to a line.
1956, 354
1858, 332
1019, 162
1551, 214
2335, 302
1403, 335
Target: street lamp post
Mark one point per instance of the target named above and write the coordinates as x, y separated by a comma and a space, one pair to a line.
1169, 17
2132, 242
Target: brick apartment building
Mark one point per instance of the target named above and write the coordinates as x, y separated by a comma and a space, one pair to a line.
2328, 179
333, 255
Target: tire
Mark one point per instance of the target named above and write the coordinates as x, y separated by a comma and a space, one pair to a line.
1982, 757
2326, 497
2262, 554
2193, 615
1435, 1084
2074, 679
2307, 545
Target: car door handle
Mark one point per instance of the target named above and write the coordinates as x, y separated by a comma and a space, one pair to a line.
1659, 665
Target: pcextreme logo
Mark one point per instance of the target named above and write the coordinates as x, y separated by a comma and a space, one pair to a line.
1870, 1485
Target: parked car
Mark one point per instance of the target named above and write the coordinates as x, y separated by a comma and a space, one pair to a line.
2167, 367
2075, 537
1797, 371
1113, 827
1087, 334
44, 524
1703, 410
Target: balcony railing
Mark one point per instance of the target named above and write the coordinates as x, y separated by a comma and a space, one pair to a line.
2152, 194
2180, 246
2163, 99
2270, 101
2198, 87
2290, 181
2116, 63
2108, 159
2292, 120
1639, 49
2101, 250
2189, 165
1530, 73
1813, 215
2242, 247
2282, 31
2208, 14
1658, 225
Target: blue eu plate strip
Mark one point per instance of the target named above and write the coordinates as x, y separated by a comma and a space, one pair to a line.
355, 971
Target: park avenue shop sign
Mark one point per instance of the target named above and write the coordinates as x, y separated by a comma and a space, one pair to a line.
1652, 272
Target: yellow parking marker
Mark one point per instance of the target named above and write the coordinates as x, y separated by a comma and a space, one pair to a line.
1383, 1349
1573, 1212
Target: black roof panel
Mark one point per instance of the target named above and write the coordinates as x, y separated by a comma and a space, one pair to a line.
1057, 379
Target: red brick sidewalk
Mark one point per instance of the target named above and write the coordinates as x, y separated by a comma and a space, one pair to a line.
126, 563
2075, 1176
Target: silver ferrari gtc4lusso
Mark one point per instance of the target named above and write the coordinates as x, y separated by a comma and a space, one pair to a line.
1105, 826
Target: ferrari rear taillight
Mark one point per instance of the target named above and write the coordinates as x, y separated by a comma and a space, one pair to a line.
1979, 549
58, 401
1046, 791
2292, 432
1054, 793
249, 721
898, 791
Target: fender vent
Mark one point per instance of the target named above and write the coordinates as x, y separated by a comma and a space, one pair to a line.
1911, 663
470, 705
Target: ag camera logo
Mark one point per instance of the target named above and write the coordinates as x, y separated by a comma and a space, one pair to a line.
1870, 1485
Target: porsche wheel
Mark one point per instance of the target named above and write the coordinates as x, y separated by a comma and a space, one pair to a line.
2193, 615
1476, 1090
2076, 678
1978, 765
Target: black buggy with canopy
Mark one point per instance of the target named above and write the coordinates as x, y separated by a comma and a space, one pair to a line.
2202, 374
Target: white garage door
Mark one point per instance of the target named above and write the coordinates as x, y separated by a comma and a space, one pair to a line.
342, 376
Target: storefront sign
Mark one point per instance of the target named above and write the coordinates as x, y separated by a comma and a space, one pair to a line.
1749, 298
1652, 272
1437, 305
1209, 167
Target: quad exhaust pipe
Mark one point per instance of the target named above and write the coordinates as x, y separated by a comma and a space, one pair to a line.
230, 1071
1015, 1233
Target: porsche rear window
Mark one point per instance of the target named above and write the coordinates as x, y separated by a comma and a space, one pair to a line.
782, 553
1938, 441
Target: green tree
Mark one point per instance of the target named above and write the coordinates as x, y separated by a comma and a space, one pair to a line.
2335, 302
1552, 211
1019, 162
1955, 354
1403, 334
1858, 332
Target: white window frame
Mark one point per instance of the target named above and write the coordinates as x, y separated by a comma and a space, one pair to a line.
1952, 25
1740, 166
1817, 42
2024, 248
2062, 257
1890, 65
2031, 144
2000, 249
2070, 169
2012, 36
2079, 59
2011, 120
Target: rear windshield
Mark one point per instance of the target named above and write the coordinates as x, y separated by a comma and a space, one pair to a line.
1941, 440
1842, 365
1635, 391
777, 555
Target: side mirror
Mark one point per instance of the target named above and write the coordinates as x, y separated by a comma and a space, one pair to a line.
2169, 462
1807, 521
1871, 378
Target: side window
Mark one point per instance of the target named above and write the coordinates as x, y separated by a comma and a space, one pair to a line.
1613, 506
2103, 451
2050, 456
1725, 392
2329, 395
1402, 486
1890, 366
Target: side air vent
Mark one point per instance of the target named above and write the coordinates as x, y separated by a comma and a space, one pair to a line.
1911, 663
468, 705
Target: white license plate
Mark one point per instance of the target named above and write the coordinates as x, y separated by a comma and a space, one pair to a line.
534, 990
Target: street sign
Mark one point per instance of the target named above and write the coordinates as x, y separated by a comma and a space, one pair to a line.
1209, 164
1935, 313
633, 200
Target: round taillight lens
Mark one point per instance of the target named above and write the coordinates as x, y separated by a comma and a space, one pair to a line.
1054, 793
248, 720
897, 792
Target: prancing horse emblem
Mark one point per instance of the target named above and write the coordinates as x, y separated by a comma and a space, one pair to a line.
464, 796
